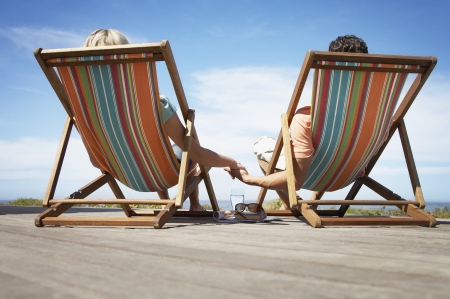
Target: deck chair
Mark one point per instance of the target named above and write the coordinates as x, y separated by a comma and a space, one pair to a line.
355, 110
111, 96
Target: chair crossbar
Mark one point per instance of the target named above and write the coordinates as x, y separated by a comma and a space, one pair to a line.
99, 221
368, 68
113, 201
360, 202
373, 220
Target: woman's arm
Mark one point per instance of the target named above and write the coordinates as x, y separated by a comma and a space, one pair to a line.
275, 181
176, 130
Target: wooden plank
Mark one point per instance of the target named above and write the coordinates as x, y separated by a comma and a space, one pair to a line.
367, 69
54, 81
423, 61
363, 202
372, 220
114, 201
311, 216
54, 211
412, 170
297, 213
180, 196
175, 77
209, 187
57, 164
164, 215
418, 213
156, 57
290, 177
102, 50
283, 213
99, 221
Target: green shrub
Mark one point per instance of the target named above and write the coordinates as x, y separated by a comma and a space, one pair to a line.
29, 202
207, 206
273, 204
378, 212
438, 213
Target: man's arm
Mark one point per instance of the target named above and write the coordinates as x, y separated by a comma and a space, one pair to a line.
275, 181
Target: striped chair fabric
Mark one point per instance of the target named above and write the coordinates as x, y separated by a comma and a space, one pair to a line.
351, 113
116, 108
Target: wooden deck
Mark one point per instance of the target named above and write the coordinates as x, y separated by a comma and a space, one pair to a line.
199, 258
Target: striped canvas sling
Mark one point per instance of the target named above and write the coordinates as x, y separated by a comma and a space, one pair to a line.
117, 112
351, 113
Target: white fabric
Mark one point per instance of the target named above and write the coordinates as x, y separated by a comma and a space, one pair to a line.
263, 148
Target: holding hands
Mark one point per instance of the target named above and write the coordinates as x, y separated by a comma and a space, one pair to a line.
237, 171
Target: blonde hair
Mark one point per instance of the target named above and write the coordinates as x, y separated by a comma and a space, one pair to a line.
105, 37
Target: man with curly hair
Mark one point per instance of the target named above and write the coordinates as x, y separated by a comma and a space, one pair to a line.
348, 43
301, 137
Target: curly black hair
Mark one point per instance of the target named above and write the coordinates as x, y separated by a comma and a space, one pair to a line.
348, 43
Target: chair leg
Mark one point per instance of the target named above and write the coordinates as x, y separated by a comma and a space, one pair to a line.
413, 175
164, 216
310, 215
83, 192
54, 211
317, 195
209, 189
418, 213
57, 165
350, 196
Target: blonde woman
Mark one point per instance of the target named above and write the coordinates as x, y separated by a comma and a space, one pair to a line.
172, 124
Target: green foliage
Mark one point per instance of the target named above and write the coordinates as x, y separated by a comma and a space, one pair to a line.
438, 213
273, 204
28, 202
378, 212
207, 206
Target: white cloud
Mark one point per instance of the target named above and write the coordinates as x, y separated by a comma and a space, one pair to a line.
25, 154
31, 158
30, 38
245, 99
427, 123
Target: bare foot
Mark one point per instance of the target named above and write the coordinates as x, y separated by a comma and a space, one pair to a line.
196, 208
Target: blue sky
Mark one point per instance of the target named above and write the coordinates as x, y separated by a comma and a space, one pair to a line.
238, 61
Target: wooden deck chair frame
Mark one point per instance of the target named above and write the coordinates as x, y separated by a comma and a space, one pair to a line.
160, 52
307, 208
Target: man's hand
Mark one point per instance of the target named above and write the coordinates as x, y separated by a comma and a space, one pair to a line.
240, 173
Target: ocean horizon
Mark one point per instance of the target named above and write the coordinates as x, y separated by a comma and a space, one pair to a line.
225, 204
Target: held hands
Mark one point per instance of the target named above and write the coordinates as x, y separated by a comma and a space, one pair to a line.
237, 171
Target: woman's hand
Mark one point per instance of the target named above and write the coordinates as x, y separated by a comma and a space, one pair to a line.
239, 172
